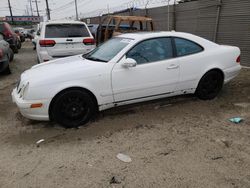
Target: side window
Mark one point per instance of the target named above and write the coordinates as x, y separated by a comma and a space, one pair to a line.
186, 47
152, 50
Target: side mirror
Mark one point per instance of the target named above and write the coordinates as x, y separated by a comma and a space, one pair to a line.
129, 62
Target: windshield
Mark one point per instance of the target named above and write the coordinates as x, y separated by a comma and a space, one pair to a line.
108, 50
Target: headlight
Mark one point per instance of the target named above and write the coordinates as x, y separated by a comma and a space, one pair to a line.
23, 90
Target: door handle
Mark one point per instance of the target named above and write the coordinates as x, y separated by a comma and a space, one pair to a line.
173, 66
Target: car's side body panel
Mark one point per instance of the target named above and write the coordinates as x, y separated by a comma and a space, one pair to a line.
113, 84
144, 80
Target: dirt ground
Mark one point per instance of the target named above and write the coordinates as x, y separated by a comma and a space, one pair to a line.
177, 142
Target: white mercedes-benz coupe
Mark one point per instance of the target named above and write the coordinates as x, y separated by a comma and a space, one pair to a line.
127, 69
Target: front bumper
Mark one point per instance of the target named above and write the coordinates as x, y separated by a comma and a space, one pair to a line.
24, 106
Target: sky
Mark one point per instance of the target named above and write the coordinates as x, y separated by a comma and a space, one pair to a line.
61, 9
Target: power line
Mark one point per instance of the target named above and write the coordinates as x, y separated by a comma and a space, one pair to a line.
64, 6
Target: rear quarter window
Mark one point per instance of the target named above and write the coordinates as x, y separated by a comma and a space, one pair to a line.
66, 31
186, 47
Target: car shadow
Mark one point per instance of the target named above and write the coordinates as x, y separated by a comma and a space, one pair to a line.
105, 124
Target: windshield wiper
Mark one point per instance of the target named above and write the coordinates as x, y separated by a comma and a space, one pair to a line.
95, 59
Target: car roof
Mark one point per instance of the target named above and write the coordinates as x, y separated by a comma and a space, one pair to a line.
145, 35
155, 34
63, 22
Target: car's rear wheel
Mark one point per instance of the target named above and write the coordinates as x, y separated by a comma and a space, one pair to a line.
72, 108
15, 50
11, 55
210, 85
19, 45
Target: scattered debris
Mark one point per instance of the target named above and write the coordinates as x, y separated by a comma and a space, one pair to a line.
164, 153
142, 126
225, 142
236, 120
242, 105
124, 158
115, 180
39, 142
216, 158
162, 106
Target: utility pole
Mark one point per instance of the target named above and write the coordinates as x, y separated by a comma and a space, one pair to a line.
48, 11
27, 10
76, 10
31, 9
37, 8
168, 16
108, 8
10, 11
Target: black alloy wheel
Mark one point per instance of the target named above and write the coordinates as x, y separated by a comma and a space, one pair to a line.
73, 108
210, 85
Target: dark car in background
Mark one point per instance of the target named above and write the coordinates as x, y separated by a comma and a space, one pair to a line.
20, 34
10, 36
5, 55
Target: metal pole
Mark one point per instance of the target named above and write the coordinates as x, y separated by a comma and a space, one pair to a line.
174, 16
11, 15
37, 9
217, 21
108, 8
31, 9
76, 10
48, 11
168, 16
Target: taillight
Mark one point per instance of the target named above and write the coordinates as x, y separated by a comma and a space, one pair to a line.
89, 41
47, 43
1, 53
238, 60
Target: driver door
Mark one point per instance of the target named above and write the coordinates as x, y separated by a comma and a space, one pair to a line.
156, 73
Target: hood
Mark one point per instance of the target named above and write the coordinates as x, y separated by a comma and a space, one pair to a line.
63, 69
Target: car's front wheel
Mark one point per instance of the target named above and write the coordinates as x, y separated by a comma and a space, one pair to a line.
7, 71
72, 108
19, 45
11, 54
210, 85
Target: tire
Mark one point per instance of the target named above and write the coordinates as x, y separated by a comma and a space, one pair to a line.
7, 70
15, 50
72, 108
11, 55
210, 85
19, 45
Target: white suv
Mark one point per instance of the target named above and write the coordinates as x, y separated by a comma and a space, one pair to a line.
63, 38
